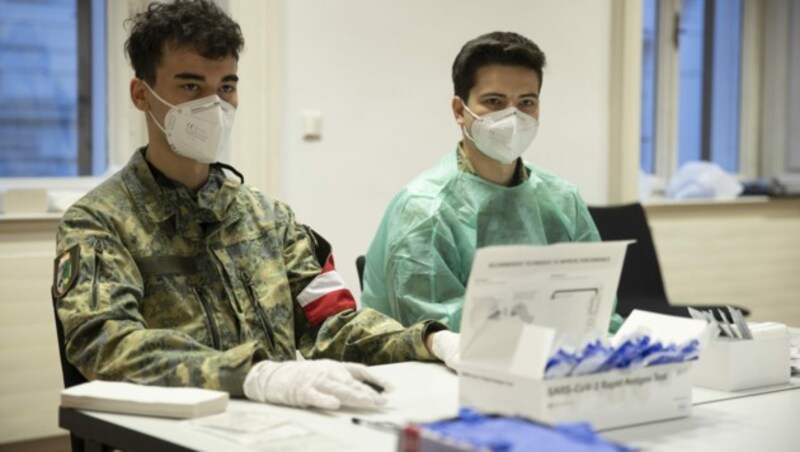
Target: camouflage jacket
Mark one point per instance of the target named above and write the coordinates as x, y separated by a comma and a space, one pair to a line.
157, 285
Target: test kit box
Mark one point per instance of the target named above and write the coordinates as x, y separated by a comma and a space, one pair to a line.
606, 400
523, 303
735, 365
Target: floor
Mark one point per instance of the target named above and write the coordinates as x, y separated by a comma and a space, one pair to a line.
52, 444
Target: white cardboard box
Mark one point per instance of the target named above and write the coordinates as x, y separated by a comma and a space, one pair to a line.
735, 365
523, 302
606, 400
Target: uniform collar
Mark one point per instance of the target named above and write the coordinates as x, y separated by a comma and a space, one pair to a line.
159, 198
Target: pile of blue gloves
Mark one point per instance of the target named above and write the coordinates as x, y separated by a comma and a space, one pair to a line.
474, 431
635, 351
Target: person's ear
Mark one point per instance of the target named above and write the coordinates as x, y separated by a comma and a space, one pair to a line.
458, 110
139, 95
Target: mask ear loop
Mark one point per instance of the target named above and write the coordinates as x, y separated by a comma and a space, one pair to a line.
463, 127
160, 100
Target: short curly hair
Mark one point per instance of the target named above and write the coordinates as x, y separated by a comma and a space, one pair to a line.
498, 47
197, 24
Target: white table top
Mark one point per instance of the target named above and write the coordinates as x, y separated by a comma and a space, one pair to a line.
425, 392
767, 422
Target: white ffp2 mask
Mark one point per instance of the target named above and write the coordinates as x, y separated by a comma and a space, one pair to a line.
198, 129
502, 135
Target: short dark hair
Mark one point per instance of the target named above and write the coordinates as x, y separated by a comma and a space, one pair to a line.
197, 24
498, 47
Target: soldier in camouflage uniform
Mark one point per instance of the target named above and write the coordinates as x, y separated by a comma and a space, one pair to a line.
170, 273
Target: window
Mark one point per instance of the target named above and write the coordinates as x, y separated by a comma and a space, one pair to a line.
52, 88
780, 138
691, 84
793, 144
649, 57
709, 54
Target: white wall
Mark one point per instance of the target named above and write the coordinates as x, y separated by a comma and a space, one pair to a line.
379, 71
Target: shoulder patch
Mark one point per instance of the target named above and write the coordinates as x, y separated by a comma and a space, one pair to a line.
65, 271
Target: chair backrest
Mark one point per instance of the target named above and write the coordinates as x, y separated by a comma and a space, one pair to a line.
361, 261
640, 285
72, 376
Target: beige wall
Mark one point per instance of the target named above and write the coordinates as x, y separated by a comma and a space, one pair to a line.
743, 254
30, 370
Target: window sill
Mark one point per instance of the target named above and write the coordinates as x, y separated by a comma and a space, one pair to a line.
790, 205
744, 200
36, 203
28, 217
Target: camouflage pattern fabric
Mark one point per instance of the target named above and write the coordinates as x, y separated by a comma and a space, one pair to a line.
176, 288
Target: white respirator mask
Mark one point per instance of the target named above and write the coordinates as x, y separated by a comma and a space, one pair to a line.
502, 135
198, 129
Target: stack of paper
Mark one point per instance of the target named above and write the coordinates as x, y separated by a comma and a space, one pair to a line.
128, 398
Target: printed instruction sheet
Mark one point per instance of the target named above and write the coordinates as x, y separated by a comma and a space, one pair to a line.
570, 287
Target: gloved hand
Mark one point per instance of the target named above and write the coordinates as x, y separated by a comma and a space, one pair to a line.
321, 383
445, 347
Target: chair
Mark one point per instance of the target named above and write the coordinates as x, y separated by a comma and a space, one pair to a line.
361, 261
641, 285
72, 376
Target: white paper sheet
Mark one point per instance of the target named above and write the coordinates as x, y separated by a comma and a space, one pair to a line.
268, 432
667, 329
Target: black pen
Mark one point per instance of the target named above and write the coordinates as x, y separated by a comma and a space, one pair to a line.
386, 426
375, 386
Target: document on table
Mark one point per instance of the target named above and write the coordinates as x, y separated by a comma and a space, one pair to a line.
267, 432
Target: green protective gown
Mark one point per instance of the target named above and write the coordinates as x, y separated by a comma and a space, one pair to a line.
419, 262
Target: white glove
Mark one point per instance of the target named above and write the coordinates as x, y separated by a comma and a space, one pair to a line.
445, 347
321, 383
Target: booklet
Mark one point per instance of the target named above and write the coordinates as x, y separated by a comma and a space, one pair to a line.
129, 398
